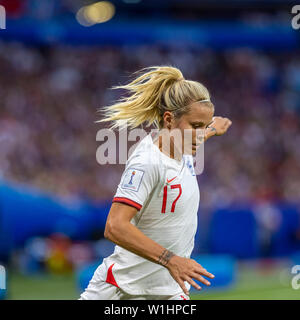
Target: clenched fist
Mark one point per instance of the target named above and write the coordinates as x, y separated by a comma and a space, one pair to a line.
217, 127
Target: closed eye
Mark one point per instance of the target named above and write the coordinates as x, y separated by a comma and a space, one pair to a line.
198, 125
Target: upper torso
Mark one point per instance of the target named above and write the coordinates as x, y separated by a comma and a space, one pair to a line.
167, 190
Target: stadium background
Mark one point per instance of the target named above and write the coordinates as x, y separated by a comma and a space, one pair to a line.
57, 62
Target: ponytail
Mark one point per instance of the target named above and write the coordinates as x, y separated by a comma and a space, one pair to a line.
158, 89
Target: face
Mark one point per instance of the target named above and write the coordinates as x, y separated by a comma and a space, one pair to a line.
199, 117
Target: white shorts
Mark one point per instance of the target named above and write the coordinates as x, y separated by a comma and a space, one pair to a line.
99, 289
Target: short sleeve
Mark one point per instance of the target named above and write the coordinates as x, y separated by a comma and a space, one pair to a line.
137, 182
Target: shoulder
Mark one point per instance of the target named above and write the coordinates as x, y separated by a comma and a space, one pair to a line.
146, 160
145, 155
145, 164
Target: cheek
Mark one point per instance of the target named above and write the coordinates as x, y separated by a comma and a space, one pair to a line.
188, 133
182, 127
189, 136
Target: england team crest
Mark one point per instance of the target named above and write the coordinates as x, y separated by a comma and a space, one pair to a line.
189, 163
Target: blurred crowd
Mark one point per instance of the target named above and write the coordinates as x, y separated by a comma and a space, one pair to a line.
49, 98
58, 254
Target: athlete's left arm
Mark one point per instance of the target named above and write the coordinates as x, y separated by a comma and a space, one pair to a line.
217, 127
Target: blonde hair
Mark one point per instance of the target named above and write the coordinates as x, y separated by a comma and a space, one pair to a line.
156, 90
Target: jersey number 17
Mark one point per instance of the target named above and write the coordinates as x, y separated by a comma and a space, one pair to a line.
164, 204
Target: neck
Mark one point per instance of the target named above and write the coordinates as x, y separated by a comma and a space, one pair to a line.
167, 146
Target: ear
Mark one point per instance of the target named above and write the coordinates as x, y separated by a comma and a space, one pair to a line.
168, 119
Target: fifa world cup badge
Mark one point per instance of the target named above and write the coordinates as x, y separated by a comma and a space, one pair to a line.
132, 179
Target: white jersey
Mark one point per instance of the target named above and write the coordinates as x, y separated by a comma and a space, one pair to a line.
166, 193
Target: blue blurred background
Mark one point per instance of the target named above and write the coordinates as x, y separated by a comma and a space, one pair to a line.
57, 60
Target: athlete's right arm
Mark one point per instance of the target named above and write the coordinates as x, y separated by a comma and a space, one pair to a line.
122, 232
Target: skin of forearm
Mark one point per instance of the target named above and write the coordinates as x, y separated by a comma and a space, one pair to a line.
209, 132
132, 239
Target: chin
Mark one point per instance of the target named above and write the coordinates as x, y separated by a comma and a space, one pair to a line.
193, 151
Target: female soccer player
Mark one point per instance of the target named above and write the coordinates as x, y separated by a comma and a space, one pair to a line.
153, 217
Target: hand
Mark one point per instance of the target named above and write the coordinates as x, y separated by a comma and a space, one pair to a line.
184, 269
218, 126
